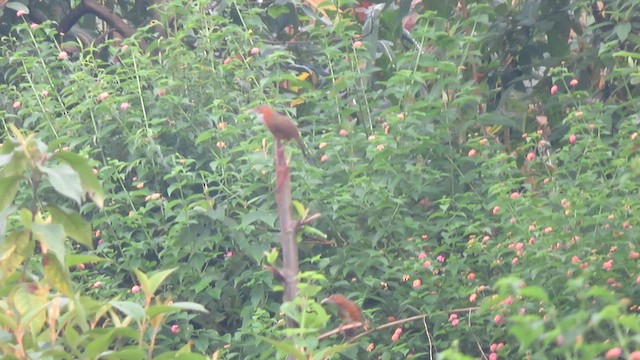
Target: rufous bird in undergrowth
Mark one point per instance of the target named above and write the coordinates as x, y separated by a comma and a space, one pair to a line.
348, 311
280, 125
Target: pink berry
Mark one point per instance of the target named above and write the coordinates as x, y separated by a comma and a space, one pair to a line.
471, 276
613, 353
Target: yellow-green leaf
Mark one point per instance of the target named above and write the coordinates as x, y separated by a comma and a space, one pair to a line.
74, 225
56, 274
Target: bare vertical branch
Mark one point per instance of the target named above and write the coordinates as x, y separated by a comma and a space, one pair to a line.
287, 228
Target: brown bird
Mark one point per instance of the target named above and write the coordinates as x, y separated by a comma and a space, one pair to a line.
348, 311
280, 126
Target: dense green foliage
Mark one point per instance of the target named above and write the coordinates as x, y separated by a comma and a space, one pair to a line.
484, 160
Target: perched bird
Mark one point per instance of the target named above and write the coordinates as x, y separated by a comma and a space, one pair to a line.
348, 311
280, 125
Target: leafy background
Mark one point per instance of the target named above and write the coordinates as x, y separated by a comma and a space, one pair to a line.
465, 155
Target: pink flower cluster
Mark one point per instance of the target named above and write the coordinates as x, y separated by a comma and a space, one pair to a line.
494, 348
453, 319
396, 334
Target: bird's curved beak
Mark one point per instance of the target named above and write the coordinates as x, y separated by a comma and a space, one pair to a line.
325, 301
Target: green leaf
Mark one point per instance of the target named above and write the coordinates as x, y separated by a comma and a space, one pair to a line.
144, 282
16, 165
626, 54
88, 179
266, 217
7, 321
154, 310
129, 308
489, 119
180, 355
300, 210
131, 352
100, 344
65, 181
609, 312
8, 190
51, 236
158, 278
30, 301
286, 347
17, 6
623, 30
535, 292
189, 306
56, 274
5, 159
75, 259
14, 250
74, 225
328, 353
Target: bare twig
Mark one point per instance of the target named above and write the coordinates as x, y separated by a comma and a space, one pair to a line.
426, 329
102, 12
341, 328
409, 319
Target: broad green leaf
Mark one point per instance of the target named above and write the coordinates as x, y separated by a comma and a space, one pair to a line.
601, 292
56, 274
5, 159
526, 329
100, 343
17, 6
623, 30
129, 308
8, 190
75, 259
300, 210
535, 292
493, 118
626, 54
155, 310
65, 181
30, 298
189, 306
328, 353
7, 321
145, 284
52, 236
131, 352
75, 226
158, 278
266, 217
610, 312
180, 355
14, 163
286, 347
14, 250
88, 179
